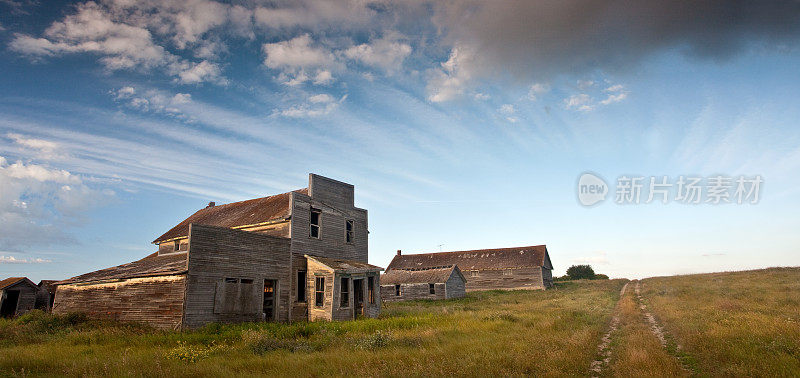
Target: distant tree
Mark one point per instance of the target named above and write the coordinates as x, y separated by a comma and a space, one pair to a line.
599, 276
577, 272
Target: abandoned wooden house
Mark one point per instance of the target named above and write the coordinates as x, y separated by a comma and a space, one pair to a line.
425, 283
17, 296
46, 295
487, 269
300, 255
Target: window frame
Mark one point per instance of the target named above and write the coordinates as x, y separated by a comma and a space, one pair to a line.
301, 286
312, 225
319, 291
371, 289
349, 231
432, 288
344, 295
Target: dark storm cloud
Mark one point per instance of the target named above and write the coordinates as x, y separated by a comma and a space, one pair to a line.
535, 39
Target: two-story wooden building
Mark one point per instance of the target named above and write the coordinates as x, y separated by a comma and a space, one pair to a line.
300, 255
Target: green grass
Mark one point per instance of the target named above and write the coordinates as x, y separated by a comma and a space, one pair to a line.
543, 333
732, 324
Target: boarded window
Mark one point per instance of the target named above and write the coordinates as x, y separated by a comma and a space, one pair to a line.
473, 273
301, 285
371, 289
345, 292
348, 236
432, 288
320, 291
316, 214
236, 296
397, 290
508, 272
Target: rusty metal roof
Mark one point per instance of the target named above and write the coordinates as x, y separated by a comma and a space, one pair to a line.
151, 266
11, 281
235, 214
345, 266
479, 259
430, 275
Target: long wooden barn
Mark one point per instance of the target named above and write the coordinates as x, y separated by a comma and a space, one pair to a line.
487, 269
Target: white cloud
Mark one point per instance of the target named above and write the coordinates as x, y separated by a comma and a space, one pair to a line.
581, 102
585, 84
38, 203
613, 98
482, 96
295, 57
536, 90
152, 100
43, 149
317, 105
507, 109
13, 260
614, 88
121, 33
450, 81
320, 98
386, 53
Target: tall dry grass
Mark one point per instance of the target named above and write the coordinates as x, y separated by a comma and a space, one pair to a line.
543, 333
733, 324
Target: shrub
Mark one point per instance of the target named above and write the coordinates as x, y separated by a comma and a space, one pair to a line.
600, 277
578, 272
192, 353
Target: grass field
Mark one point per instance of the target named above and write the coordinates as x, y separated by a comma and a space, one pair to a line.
721, 324
491, 333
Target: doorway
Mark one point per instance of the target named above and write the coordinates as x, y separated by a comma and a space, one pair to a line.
9, 307
358, 297
269, 300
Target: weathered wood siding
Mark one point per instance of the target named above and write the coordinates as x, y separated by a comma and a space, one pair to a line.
411, 291
27, 297
455, 286
157, 301
217, 253
335, 200
324, 312
547, 277
299, 310
490, 279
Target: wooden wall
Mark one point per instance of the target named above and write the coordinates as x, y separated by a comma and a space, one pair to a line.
335, 211
455, 286
324, 312
299, 310
157, 301
27, 297
520, 278
216, 253
332, 308
410, 291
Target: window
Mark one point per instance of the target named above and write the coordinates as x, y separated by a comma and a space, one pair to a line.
231, 280
473, 273
301, 285
371, 289
397, 290
348, 235
177, 245
432, 288
345, 292
320, 291
247, 281
508, 272
315, 215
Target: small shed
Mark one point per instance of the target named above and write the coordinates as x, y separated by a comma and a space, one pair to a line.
443, 282
17, 296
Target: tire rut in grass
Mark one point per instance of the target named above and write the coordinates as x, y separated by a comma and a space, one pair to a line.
668, 342
604, 348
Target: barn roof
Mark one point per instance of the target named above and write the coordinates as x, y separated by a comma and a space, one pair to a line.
345, 266
430, 275
11, 281
479, 259
235, 214
150, 266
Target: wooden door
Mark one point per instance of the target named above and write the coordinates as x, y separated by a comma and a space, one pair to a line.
358, 297
269, 300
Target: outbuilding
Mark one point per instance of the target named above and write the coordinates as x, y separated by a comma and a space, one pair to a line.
17, 296
443, 282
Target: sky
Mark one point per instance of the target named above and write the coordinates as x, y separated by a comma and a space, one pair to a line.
462, 124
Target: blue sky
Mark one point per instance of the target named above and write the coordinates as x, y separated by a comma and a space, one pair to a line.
461, 126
